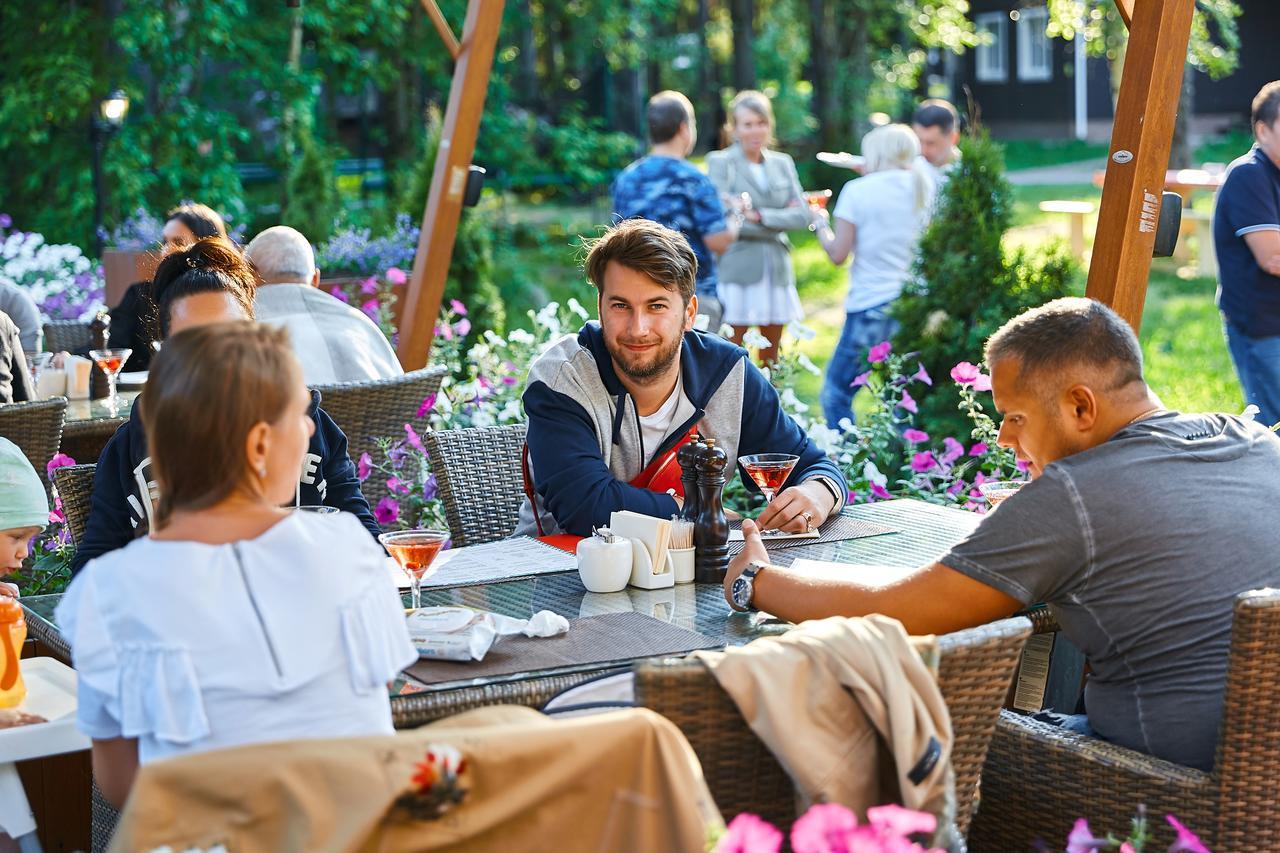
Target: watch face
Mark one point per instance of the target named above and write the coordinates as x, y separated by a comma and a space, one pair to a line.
741, 593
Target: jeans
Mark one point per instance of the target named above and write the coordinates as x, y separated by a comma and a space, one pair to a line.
1257, 362
862, 330
1077, 723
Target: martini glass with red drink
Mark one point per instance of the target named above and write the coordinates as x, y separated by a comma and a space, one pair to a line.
111, 362
414, 551
769, 471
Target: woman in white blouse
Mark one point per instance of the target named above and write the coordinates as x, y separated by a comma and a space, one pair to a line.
235, 621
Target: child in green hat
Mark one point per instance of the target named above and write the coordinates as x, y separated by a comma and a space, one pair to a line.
24, 509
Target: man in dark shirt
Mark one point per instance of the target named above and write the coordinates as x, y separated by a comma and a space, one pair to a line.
1246, 234
665, 187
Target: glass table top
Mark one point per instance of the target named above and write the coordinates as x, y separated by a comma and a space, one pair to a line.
98, 410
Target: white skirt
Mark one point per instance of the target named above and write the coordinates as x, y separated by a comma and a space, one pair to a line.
760, 304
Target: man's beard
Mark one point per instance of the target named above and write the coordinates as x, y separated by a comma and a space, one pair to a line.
655, 363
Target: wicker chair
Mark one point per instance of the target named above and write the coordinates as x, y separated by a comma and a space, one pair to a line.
479, 475
974, 673
1039, 778
368, 411
75, 487
36, 427
66, 336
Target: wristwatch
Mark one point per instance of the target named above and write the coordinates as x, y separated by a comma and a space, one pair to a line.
744, 587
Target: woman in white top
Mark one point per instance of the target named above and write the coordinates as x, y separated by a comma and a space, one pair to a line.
757, 280
878, 218
235, 621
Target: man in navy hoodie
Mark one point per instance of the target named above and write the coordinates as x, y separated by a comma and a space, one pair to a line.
608, 408
124, 492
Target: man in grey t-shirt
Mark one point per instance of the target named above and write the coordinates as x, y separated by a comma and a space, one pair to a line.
1139, 529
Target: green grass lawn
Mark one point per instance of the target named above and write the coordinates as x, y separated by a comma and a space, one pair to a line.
1186, 355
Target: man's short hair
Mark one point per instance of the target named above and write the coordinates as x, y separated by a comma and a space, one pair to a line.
938, 113
1068, 332
647, 247
282, 254
1266, 105
667, 111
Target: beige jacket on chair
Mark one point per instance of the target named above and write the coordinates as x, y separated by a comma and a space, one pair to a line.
851, 712
782, 208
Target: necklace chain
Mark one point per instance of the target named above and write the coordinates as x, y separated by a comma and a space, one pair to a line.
1148, 413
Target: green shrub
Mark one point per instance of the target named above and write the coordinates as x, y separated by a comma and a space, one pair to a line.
312, 201
966, 284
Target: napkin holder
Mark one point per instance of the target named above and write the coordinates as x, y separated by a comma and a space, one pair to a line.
643, 573
651, 566
78, 371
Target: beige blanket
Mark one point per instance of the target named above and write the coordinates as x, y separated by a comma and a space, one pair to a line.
622, 781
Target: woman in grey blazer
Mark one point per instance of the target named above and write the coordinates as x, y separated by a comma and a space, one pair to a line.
757, 280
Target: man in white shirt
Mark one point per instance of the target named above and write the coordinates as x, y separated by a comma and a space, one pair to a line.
937, 126
333, 341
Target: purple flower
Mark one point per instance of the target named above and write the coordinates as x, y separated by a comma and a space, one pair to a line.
901, 821
509, 380
364, 467
978, 449
824, 827
922, 375
370, 308
908, 403
457, 308
879, 352
395, 484
428, 403
56, 517
1023, 464
956, 488
965, 373
5, 220
59, 460
921, 462
430, 488
954, 450
395, 275
387, 511
336, 293
396, 455
749, 834
915, 436
1187, 841
369, 286
462, 327
1081, 839
414, 441
860, 380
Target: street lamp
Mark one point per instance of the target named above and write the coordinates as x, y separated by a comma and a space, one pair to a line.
105, 122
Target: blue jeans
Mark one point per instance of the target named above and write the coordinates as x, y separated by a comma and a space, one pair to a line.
862, 330
1257, 362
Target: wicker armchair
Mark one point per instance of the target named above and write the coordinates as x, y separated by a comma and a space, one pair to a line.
1039, 778
479, 476
36, 427
368, 411
75, 487
66, 336
974, 673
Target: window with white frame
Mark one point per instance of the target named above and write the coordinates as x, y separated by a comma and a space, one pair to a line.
992, 55
1035, 51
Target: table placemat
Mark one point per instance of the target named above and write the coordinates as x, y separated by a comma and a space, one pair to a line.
592, 639
836, 529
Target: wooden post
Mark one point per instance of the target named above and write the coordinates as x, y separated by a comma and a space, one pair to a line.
1140, 142
449, 181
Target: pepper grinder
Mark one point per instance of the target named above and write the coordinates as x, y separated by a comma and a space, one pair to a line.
688, 456
711, 528
98, 335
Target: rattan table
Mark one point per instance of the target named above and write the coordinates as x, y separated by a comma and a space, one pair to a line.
924, 532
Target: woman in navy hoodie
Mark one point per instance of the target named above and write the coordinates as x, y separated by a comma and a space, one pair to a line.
209, 282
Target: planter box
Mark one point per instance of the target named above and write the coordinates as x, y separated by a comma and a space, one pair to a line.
122, 268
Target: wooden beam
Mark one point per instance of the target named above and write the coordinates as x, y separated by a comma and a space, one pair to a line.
1125, 8
445, 31
449, 181
1139, 157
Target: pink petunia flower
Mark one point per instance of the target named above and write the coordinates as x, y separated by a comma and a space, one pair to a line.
395, 275
1022, 464
922, 375
369, 286
462, 327
457, 308
1081, 839
398, 486
58, 460
824, 828
370, 308
922, 462
879, 352
978, 449
908, 403
982, 383
965, 373
954, 450
1187, 841
880, 492
901, 821
445, 331
428, 403
56, 517
336, 293
364, 467
749, 834
414, 441
387, 511
860, 380
915, 436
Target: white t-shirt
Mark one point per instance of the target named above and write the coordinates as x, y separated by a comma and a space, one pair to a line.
882, 207
187, 647
675, 410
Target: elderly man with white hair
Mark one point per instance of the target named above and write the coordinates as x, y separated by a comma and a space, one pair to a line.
333, 341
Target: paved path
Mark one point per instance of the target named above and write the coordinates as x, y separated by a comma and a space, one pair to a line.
1080, 172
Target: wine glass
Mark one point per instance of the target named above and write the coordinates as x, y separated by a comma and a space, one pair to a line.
998, 492
36, 363
414, 551
111, 362
769, 470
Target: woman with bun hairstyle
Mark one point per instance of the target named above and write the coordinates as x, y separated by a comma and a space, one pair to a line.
235, 620
210, 282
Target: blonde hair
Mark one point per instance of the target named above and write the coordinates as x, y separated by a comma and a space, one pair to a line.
758, 103
895, 146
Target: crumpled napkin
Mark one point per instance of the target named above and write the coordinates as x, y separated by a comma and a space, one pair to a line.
463, 634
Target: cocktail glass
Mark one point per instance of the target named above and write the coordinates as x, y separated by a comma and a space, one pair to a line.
999, 491
769, 470
36, 363
111, 362
318, 509
817, 198
414, 551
